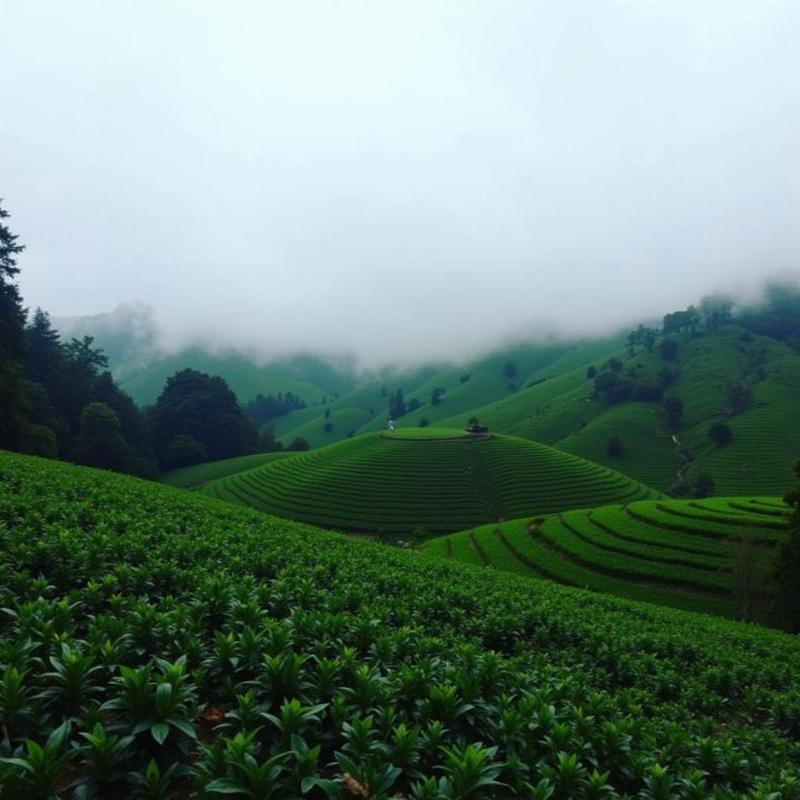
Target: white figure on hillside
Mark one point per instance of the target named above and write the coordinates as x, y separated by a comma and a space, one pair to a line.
390, 425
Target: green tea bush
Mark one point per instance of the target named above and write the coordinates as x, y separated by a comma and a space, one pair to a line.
154, 643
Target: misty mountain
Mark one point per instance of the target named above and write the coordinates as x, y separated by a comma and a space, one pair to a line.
130, 337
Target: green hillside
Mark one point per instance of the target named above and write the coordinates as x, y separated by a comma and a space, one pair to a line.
158, 636
464, 386
424, 478
306, 376
685, 554
563, 413
195, 476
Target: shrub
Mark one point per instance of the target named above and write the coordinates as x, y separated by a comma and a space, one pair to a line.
720, 433
668, 349
184, 450
673, 411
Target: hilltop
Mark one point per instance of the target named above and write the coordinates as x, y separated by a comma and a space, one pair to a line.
565, 412
424, 478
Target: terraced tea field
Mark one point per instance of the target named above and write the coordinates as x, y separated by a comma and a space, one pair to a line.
678, 553
432, 478
563, 412
156, 643
195, 476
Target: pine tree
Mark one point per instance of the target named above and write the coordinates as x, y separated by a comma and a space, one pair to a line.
43, 350
12, 328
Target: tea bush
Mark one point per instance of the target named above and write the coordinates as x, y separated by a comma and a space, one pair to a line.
674, 552
438, 478
156, 643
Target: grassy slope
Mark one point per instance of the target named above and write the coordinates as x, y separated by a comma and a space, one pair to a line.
398, 483
307, 377
195, 476
676, 552
136, 571
562, 413
366, 408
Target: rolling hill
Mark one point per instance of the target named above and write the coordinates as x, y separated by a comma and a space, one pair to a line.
134, 612
431, 478
195, 476
563, 412
310, 378
464, 387
685, 554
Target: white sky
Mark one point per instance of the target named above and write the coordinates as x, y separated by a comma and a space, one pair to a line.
398, 179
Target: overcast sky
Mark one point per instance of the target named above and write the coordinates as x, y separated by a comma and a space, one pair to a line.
398, 179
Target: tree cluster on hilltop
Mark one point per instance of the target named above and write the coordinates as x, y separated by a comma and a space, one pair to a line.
59, 400
263, 408
397, 404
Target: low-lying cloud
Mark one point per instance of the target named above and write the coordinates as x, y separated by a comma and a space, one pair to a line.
403, 181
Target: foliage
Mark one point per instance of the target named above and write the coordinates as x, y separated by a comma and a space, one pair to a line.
668, 349
311, 665
720, 433
45, 385
100, 443
395, 482
673, 411
787, 566
778, 316
204, 408
397, 404
184, 450
510, 370
263, 408
12, 320
697, 484
706, 556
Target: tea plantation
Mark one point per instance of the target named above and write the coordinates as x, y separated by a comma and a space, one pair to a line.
156, 643
195, 476
676, 552
438, 479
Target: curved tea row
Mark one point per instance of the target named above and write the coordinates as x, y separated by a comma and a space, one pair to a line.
441, 481
696, 554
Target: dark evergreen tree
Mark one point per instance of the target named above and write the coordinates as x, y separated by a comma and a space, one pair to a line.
264, 408
673, 411
43, 356
720, 433
397, 404
133, 423
183, 451
205, 408
73, 388
100, 443
668, 349
12, 327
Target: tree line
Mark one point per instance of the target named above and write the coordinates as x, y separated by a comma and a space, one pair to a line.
59, 400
